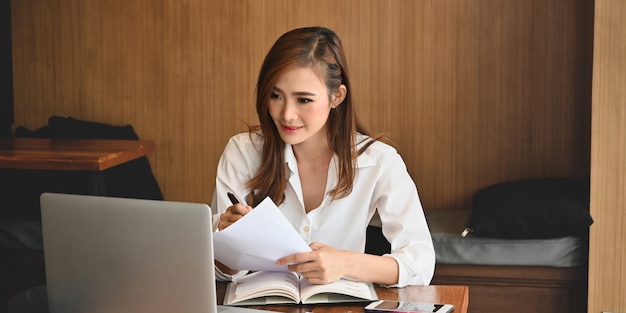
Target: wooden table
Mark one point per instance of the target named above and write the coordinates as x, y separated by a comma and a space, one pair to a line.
456, 295
92, 156
35, 299
69, 154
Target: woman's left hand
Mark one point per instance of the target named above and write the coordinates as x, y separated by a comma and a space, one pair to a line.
323, 265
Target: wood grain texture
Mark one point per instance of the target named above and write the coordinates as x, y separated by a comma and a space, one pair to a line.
518, 289
607, 254
472, 92
69, 155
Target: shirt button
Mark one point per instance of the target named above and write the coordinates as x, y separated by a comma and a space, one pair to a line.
305, 229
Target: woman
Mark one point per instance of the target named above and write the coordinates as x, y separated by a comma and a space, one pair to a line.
320, 165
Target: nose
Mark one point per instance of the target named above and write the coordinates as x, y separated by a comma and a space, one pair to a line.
289, 111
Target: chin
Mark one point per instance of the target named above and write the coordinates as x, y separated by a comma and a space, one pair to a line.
291, 139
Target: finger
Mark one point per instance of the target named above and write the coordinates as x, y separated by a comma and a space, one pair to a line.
305, 267
295, 259
286, 260
239, 209
316, 246
233, 214
224, 223
317, 276
229, 217
315, 280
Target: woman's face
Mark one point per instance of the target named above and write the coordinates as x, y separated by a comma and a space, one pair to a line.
300, 105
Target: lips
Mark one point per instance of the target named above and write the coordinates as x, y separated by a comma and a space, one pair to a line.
290, 129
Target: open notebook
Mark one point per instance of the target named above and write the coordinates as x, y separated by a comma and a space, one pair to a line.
106, 254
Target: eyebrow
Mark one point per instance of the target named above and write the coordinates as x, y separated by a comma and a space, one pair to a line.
297, 93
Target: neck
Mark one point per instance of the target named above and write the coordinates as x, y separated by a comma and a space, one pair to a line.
314, 155
314, 150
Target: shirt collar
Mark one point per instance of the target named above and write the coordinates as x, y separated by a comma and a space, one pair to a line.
290, 160
363, 160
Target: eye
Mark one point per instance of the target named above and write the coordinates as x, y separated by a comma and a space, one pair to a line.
275, 96
304, 100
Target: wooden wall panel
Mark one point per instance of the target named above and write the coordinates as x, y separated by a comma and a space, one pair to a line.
473, 92
607, 254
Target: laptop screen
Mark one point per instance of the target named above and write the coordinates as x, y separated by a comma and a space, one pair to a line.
106, 254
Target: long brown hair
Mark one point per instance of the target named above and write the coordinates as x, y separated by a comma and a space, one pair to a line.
320, 49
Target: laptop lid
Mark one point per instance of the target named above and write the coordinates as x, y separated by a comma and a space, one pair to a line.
106, 254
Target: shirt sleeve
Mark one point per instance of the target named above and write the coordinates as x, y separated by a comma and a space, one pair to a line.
221, 276
237, 165
404, 224
233, 171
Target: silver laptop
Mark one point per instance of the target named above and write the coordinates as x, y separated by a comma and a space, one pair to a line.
106, 254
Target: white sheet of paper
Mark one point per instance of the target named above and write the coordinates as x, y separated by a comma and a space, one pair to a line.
258, 239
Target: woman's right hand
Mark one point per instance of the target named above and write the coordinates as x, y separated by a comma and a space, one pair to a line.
233, 214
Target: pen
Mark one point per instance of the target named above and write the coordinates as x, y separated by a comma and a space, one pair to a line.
232, 198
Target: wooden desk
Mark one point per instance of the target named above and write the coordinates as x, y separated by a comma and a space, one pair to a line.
69, 154
457, 295
92, 156
35, 299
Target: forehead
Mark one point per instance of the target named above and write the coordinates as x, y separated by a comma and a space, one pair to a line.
299, 78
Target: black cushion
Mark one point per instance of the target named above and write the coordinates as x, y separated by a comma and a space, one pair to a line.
532, 209
70, 128
375, 241
20, 189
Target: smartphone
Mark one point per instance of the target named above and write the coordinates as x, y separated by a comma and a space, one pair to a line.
408, 307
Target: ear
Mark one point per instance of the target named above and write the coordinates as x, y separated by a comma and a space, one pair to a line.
338, 96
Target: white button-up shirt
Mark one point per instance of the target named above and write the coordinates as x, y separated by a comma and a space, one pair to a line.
382, 185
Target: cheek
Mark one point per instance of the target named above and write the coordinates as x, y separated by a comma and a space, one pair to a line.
273, 109
319, 112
